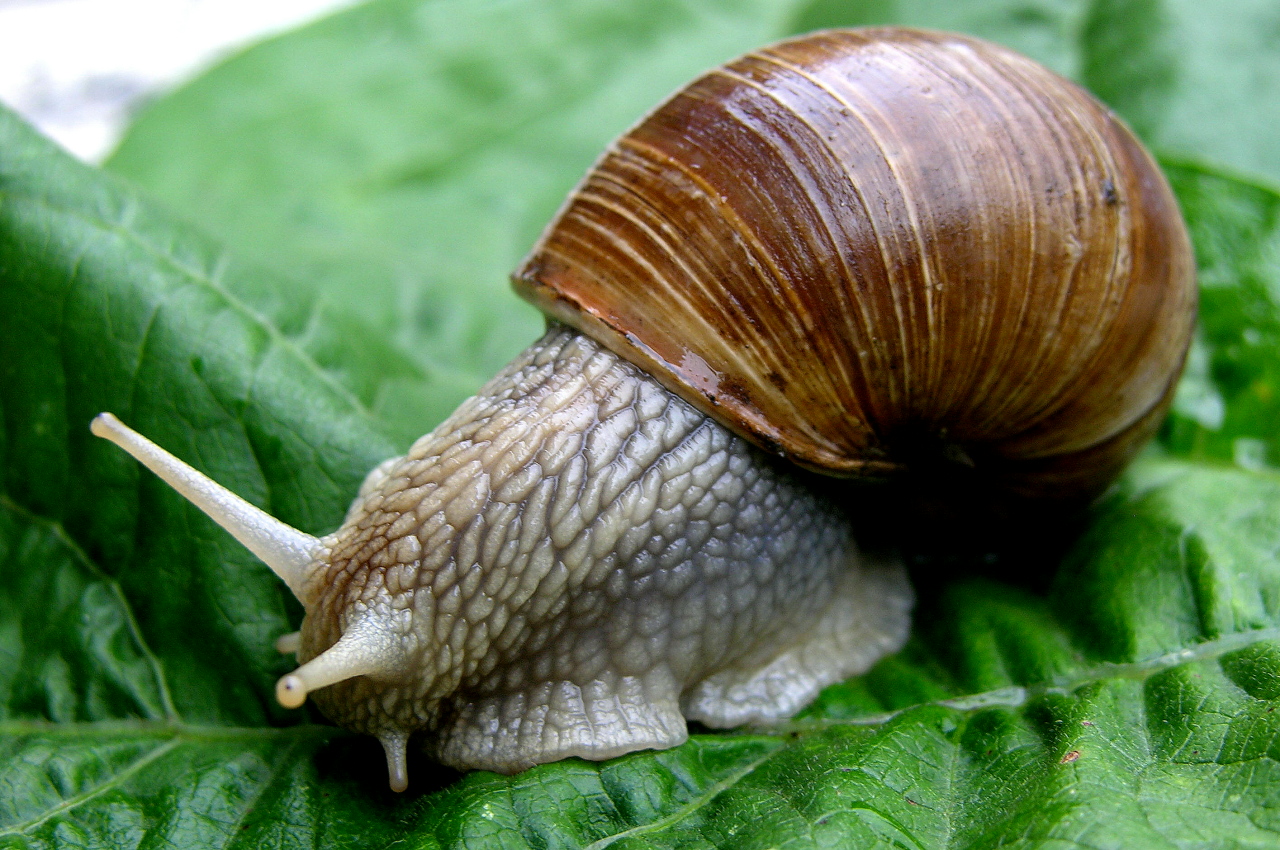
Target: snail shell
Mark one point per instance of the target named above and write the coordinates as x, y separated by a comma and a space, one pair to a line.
855, 249
861, 246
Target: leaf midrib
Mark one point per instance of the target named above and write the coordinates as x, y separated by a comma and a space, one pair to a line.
1016, 696
114, 781
177, 735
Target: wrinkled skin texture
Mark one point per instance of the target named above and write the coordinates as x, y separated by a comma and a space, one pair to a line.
577, 561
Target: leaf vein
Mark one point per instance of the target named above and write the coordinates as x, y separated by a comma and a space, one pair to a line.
135, 630
685, 810
115, 781
199, 277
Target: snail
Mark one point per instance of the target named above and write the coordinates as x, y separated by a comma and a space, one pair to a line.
849, 253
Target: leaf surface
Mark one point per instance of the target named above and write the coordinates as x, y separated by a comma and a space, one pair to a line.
368, 181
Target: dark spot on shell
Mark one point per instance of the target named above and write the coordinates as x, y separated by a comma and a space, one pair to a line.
777, 380
1109, 194
736, 390
770, 445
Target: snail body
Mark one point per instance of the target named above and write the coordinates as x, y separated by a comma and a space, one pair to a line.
852, 250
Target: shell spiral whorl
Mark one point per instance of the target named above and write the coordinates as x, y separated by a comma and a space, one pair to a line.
848, 240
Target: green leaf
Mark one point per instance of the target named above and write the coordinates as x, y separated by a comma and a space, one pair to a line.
376, 175
1229, 402
110, 306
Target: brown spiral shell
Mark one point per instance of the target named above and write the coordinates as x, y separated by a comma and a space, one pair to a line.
861, 246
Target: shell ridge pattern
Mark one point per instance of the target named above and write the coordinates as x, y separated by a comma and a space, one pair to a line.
1097, 340
602, 231
1053, 128
962, 390
1120, 270
640, 159
707, 281
726, 306
898, 261
909, 231
960, 161
883, 278
1122, 201
795, 297
838, 350
987, 387
674, 251
723, 297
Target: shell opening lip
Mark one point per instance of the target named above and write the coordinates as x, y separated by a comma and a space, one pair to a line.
737, 413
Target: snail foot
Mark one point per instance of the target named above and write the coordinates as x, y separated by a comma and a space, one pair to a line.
555, 720
869, 617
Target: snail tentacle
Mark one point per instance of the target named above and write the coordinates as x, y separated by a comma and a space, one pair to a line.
370, 646
289, 552
395, 744
289, 643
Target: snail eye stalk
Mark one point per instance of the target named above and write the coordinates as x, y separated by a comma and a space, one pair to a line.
286, 550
